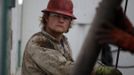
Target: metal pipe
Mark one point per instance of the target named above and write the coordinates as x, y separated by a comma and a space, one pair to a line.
91, 49
4, 44
1, 8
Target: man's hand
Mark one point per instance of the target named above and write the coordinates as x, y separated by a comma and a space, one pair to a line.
108, 33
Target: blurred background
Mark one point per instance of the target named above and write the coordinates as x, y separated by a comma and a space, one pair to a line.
20, 19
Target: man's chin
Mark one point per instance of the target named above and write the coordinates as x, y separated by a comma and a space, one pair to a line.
60, 31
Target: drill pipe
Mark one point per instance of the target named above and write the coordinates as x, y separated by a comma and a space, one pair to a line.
90, 50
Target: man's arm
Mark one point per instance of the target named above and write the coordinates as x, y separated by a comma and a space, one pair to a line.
50, 60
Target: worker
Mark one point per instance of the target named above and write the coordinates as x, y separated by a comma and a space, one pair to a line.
47, 52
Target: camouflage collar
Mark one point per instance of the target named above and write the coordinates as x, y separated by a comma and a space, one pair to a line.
51, 37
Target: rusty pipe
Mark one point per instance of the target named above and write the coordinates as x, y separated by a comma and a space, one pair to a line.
90, 50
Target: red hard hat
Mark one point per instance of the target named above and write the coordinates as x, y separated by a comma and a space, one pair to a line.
64, 7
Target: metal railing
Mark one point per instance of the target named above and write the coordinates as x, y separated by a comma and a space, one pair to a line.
5, 38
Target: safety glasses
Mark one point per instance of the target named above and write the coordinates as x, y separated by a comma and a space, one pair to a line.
59, 16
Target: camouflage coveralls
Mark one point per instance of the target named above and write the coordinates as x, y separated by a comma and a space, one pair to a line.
44, 55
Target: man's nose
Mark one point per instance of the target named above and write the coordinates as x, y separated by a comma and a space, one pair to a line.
61, 18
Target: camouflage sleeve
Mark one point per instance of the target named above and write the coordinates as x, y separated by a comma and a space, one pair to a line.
50, 61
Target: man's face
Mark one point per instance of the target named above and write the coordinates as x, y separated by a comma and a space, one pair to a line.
58, 23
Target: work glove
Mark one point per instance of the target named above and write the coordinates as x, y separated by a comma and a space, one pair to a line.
108, 33
123, 39
120, 32
121, 21
106, 70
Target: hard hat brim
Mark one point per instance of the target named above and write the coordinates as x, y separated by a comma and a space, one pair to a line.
59, 12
